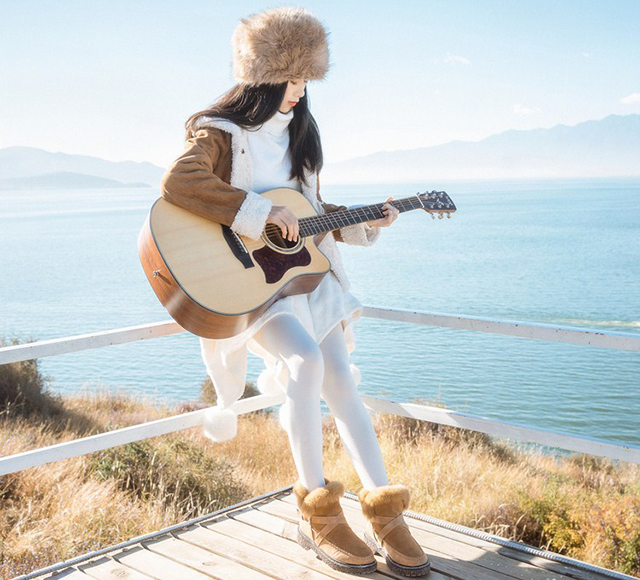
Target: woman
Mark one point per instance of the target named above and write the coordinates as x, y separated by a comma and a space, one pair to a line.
258, 136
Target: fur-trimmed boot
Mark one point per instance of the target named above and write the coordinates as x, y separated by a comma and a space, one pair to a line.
324, 529
388, 534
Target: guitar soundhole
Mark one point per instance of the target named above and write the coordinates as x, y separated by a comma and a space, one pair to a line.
274, 237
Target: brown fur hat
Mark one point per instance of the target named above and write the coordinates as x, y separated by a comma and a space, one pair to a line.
319, 498
278, 45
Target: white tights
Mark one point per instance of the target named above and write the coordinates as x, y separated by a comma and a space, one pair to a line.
315, 371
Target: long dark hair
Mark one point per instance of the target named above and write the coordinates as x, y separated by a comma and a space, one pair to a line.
250, 106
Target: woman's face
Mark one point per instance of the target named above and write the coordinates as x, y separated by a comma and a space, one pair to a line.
294, 92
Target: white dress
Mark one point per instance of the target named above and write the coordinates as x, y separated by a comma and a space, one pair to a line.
318, 311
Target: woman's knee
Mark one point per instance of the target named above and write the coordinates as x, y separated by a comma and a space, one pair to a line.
338, 382
306, 363
285, 338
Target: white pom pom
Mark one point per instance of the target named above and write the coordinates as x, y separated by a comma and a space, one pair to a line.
273, 379
267, 383
220, 424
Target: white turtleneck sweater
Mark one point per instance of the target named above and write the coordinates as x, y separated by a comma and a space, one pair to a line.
269, 148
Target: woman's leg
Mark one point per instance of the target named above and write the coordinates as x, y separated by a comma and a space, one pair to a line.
354, 425
322, 526
381, 502
285, 338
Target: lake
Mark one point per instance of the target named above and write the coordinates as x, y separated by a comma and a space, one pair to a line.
556, 252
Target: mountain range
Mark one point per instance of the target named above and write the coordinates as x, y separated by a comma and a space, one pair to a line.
608, 147
604, 148
31, 168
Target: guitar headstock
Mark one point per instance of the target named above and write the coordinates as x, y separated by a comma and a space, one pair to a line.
436, 202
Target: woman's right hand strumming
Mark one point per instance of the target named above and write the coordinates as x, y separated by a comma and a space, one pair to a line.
286, 220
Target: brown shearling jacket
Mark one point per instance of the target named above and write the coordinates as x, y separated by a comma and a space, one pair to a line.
199, 179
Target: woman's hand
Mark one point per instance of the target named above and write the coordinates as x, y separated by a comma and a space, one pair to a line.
390, 215
286, 220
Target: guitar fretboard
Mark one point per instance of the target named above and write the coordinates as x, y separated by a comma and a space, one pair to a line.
313, 225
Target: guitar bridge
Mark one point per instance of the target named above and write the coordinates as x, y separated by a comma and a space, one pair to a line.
237, 247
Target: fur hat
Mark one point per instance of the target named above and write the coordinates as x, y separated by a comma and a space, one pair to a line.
278, 45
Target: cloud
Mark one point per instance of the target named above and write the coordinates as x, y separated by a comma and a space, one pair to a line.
630, 99
520, 110
456, 59
586, 54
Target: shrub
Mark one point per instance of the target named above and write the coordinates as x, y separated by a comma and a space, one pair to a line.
617, 523
553, 517
173, 471
209, 397
592, 472
24, 390
412, 431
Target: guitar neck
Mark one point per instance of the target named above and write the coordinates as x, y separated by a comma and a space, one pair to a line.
334, 220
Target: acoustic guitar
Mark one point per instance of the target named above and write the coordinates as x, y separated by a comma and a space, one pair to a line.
216, 283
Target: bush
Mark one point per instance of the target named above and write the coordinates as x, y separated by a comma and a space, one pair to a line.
24, 390
413, 431
593, 473
172, 471
553, 517
619, 522
209, 397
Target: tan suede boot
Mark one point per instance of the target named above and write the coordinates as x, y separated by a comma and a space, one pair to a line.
324, 529
387, 532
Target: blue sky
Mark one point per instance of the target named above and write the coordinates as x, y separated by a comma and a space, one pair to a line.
117, 79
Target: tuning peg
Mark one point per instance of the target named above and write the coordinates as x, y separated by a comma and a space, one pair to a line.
448, 216
433, 216
440, 215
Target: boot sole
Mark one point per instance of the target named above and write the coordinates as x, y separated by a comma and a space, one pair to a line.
412, 571
359, 569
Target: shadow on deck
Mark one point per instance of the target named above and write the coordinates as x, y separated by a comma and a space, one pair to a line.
257, 541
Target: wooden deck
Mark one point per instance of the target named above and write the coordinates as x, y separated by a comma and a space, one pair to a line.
257, 542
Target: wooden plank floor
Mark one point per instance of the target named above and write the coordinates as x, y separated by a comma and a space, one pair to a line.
257, 542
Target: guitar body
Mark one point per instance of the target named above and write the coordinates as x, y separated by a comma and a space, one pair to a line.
215, 283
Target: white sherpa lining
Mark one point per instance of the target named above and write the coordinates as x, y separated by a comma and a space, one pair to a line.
252, 215
360, 234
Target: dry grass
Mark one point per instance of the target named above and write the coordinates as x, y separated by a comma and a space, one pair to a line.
583, 507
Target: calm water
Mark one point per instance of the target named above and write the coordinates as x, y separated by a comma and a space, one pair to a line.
554, 252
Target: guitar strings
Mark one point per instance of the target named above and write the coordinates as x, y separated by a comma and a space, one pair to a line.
333, 220
342, 218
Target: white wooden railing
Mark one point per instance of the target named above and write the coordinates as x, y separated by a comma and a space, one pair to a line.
592, 446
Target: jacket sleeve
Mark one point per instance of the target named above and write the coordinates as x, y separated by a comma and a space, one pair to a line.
358, 234
191, 182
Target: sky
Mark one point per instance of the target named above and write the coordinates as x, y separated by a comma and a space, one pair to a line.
118, 78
